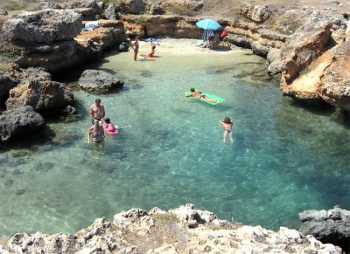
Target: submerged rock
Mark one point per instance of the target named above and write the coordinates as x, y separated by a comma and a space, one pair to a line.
96, 81
19, 121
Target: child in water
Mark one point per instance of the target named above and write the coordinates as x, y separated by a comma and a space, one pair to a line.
109, 128
228, 128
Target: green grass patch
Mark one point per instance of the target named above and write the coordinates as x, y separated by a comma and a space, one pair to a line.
165, 218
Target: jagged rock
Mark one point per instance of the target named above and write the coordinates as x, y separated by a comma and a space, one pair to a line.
123, 47
155, 9
110, 12
43, 96
257, 13
49, 5
157, 232
96, 81
330, 226
335, 88
43, 26
133, 6
300, 50
35, 74
19, 121
7, 82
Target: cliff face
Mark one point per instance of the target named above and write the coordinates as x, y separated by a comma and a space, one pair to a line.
181, 230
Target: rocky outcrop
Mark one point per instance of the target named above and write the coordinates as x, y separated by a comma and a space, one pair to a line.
43, 27
18, 122
330, 226
96, 81
257, 13
181, 230
335, 88
165, 25
53, 39
44, 96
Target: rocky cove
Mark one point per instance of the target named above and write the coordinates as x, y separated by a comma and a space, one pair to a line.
308, 55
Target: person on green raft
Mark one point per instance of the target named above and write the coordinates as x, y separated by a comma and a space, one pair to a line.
201, 96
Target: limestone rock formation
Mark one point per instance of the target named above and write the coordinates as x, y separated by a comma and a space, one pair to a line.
45, 26
300, 50
257, 13
19, 121
330, 226
96, 81
181, 230
44, 96
335, 88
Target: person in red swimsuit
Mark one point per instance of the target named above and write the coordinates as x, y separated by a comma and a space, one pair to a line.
153, 50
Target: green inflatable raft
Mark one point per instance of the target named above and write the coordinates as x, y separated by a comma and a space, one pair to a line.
210, 96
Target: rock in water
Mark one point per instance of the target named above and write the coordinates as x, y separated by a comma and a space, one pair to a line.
19, 121
96, 81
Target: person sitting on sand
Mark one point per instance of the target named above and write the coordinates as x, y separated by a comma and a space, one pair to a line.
228, 130
96, 133
153, 50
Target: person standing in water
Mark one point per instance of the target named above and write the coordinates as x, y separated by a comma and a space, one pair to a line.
96, 133
135, 46
97, 111
228, 128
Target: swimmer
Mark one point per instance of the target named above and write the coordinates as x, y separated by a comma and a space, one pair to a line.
228, 128
95, 133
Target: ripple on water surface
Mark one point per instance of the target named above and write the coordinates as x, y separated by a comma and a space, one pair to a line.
285, 158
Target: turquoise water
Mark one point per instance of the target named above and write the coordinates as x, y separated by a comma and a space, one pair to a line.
285, 158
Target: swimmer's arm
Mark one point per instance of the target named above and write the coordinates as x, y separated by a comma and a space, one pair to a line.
103, 114
88, 136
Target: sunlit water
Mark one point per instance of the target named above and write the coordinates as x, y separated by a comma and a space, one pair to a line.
285, 158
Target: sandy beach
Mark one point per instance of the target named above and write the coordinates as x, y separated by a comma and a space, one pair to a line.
183, 46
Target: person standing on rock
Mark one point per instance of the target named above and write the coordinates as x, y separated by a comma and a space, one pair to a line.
97, 111
135, 46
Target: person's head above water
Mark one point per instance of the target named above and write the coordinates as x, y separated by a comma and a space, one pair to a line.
227, 120
107, 120
153, 47
192, 90
98, 101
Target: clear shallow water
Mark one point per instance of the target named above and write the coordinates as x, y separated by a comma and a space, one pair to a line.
285, 158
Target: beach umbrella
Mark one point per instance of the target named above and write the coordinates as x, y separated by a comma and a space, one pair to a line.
208, 24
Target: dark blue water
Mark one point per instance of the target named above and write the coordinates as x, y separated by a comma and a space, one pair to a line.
286, 157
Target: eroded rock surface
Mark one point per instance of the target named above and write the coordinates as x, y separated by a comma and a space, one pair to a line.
18, 122
96, 81
44, 26
330, 226
181, 230
43, 96
335, 88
